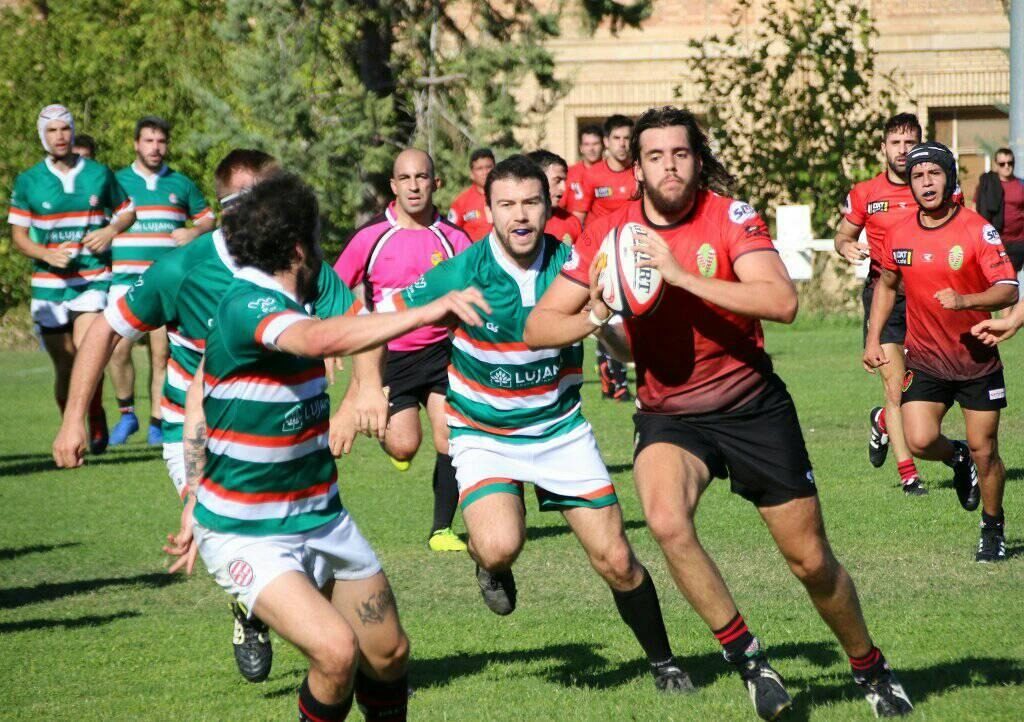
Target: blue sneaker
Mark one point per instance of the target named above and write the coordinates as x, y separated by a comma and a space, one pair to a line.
127, 425
155, 437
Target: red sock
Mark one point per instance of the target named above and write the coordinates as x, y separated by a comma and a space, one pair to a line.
96, 403
881, 421
908, 472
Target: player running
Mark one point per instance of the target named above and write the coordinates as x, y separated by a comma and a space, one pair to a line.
165, 201
65, 211
609, 183
562, 224
955, 272
591, 150
710, 404
876, 206
469, 209
515, 416
387, 254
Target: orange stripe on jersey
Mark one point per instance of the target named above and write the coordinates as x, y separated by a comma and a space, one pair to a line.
20, 212
262, 327
315, 372
487, 346
171, 363
238, 437
170, 209
80, 273
476, 424
131, 318
69, 214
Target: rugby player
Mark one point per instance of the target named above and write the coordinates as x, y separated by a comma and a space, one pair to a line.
65, 211
165, 201
515, 416
709, 403
469, 209
955, 272
387, 254
875, 206
609, 183
562, 224
268, 520
591, 150
84, 145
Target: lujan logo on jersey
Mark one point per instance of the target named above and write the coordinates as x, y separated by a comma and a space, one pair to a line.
740, 212
707, 260
877, 207
292, 419
436, 257
956, 257
264, 305
501, 378
991, 235
902, 256
603, 192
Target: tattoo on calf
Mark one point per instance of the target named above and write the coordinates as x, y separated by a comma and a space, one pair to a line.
375, 609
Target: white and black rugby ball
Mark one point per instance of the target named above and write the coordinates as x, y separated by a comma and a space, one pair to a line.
628, 289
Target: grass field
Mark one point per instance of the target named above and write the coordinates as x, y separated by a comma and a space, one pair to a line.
92, 628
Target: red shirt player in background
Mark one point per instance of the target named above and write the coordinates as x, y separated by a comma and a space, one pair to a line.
608, 184
709, 403
591, 150
469, 209
955, 272
562, 224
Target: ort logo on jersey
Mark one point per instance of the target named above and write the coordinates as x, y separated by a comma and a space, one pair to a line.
956, 257
603, 192
740, 211
877, 207
991, 235
707, 260
902, 256
501, 378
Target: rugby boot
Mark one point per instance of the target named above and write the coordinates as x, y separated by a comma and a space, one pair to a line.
991, 545
445, 540
99, 437
885, 694
498, 590
965, 477
914, 487
878, 443
155, 436
251, 640
670, 678
765, 687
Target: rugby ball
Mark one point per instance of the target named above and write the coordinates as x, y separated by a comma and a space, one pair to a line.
628, 289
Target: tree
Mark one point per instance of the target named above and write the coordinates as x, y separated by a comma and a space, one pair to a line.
795, 103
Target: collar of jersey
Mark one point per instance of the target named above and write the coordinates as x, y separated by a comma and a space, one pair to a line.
519, 274
66, 179
393, 219
150, 180
221, 247
258, 277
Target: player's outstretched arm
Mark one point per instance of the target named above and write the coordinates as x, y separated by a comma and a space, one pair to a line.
566, 313
848, 243
90, 360
346, 335
881, 308
996, 330
995, 298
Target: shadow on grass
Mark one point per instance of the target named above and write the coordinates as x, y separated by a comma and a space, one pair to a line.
22, 596
1015, 473
45, 462
8, 553
30, 625
543, 532
619, 468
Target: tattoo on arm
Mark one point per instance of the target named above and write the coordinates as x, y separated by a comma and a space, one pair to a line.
375, 609
195, 457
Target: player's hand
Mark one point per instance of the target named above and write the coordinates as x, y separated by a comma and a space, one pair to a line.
458, 306
852, 251
371, 411
596, 303
99, 240
183, 236
69, 446
995, 330
874, 356
660, 256
332, 365
343, 430
950, 299
58, 257
183, 544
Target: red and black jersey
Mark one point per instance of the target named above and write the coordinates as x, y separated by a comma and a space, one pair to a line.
692, 357
966, 254
604, 190
574, 185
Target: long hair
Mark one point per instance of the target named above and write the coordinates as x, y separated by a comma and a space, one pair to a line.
713, 175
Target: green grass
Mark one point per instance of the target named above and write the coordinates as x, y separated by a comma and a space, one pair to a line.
92, 628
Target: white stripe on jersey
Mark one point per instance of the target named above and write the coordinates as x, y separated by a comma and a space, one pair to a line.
508, 403
504, 357
535, 430
266, 454
265, 510
268, 392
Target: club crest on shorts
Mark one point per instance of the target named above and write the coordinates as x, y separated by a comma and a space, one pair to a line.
908, 378
956, 257
707, 260
241, 573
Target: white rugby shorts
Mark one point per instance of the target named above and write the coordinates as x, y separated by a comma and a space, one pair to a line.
56, 314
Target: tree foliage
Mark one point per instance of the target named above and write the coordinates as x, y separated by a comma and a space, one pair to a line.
795, 102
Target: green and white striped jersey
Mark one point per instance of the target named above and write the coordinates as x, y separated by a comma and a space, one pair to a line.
496, 385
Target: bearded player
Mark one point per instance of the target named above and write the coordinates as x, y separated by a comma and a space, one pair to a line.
955, 270
709, 403
515, 416
65, 212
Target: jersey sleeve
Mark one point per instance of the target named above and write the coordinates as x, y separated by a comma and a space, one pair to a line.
580, 202
334, 298
198, 209
577, 266
251, 323
351, 264
439, 280
20, 214
118, 200
150, 301
455, 213
887, 261
745, 231
995, 264
854, 209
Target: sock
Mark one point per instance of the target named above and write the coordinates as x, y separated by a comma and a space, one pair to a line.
641, 612
126, 405
870, 666
446, 493
96, 403
736, 639
908, 472
379, 700
993, 522
154, 422
960, 452
313, 710
880, 420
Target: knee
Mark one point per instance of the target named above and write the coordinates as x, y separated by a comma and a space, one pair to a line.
616, 565
671, 530
337, 656
816, 569
984, 454
497, 553
390, 662
918, 440
402, 449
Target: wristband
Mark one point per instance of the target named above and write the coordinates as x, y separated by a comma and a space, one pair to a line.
599, 322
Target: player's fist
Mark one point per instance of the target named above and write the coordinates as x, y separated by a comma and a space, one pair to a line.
874, 357
995, 330
852, 251
58, 257
950, 299
99, 240
458, 306
69, 446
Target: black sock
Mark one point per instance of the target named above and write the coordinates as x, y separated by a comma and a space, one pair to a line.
992, 522
870, 666
379, 700
154, 422
446, 493
313, 710
641, 612
736, 639
126, 406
